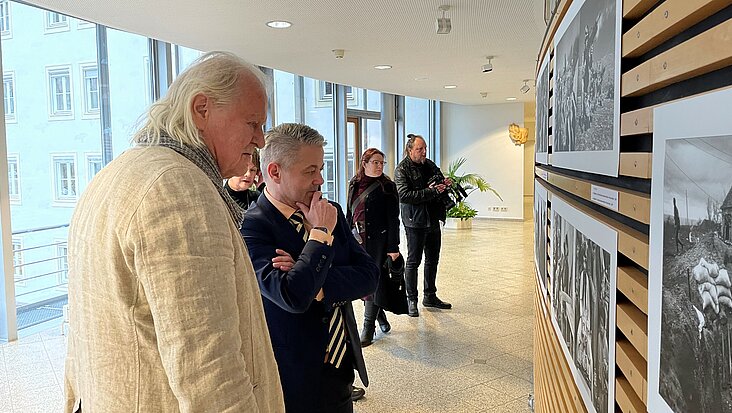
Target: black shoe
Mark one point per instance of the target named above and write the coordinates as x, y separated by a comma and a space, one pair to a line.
435, 302
367, 335
357, 393
412, 307
383, 322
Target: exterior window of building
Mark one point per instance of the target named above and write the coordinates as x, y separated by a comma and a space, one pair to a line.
59, 90
90, 79
93, 165
9, 96
14, 179
56, 22
325, 94
83, 24
64, 178
18, 261
5, 28
62, 253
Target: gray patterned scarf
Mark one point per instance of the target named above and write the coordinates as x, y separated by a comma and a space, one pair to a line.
201, 157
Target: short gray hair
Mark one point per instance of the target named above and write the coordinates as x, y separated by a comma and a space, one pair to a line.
283, 142
216, 75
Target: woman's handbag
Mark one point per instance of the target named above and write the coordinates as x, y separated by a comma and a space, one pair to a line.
393, 292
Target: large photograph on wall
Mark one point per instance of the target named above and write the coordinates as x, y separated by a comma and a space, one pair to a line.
690, 304
586, 130
542, 112
540, 235
584, 268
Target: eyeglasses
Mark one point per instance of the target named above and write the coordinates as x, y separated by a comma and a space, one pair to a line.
377, 163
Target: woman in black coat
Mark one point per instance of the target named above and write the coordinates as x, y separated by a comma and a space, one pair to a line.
373, 213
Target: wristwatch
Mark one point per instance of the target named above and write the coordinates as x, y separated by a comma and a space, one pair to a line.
324, 229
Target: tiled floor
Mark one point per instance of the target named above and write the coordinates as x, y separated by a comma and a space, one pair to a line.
476, 357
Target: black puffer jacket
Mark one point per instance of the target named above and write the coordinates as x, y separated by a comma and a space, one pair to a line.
420, 206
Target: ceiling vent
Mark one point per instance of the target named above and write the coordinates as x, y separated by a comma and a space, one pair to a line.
444, 25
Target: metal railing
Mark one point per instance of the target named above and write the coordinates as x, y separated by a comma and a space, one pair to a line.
40, 284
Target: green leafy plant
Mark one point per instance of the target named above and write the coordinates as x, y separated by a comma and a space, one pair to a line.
470, 182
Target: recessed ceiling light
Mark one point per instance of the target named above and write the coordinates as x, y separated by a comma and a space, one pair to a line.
421, 78
382, 67
279, 24
450, 87
511, 99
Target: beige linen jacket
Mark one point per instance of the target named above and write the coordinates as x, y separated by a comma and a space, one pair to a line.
165, 310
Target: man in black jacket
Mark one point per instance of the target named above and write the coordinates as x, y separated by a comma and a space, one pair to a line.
421, 212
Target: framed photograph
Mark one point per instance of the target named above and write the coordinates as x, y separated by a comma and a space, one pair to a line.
542, 112
584, 273
540, 235
586, 130
689, 300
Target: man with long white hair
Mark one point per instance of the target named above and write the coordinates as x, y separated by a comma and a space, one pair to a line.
165, 311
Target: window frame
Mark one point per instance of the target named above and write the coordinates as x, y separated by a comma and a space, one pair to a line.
89, 113
62, 264
7, 33
323, 99
53, 114
68, 201
12, 118
88, 156
18, 272
17, 198
50, 27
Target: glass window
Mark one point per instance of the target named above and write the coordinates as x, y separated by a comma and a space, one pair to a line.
14, 178
321, 118
56, 22
9, 96
62, 253
184, 56
90, 79
5, 29
83, 24
372, 135
373, 100
286, 104
324, 92
93, 165
417, 119
64, 178
59, 89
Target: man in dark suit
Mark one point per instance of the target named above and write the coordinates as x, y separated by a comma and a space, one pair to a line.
309, 269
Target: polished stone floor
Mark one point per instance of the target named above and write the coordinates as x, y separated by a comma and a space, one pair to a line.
476, 357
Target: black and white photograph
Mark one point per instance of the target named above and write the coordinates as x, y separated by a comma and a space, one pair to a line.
586, 88
540, 235
690, 303
585, 262
542, 112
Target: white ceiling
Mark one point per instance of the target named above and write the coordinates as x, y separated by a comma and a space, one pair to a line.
401, 33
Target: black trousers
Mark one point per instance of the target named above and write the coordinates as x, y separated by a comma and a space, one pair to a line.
419, 241
336, 386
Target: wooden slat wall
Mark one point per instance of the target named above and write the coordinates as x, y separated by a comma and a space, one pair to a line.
649, 25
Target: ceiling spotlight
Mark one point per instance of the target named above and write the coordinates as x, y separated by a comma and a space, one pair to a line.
450, 86
338, 53
511, 99
382, 67
279, 24
444, 24
525, 88
487, 68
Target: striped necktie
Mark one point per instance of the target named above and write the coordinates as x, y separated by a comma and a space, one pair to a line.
336, 349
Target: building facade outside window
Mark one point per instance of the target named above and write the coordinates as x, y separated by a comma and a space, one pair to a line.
14, 179
9, 96
90, 80
93, 165
60, 92
64, 178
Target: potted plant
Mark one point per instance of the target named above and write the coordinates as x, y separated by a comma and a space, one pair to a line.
461, 215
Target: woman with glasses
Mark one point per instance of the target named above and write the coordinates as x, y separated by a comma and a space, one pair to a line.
373, 212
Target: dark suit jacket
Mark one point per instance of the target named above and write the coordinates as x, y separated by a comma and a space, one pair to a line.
298, 325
